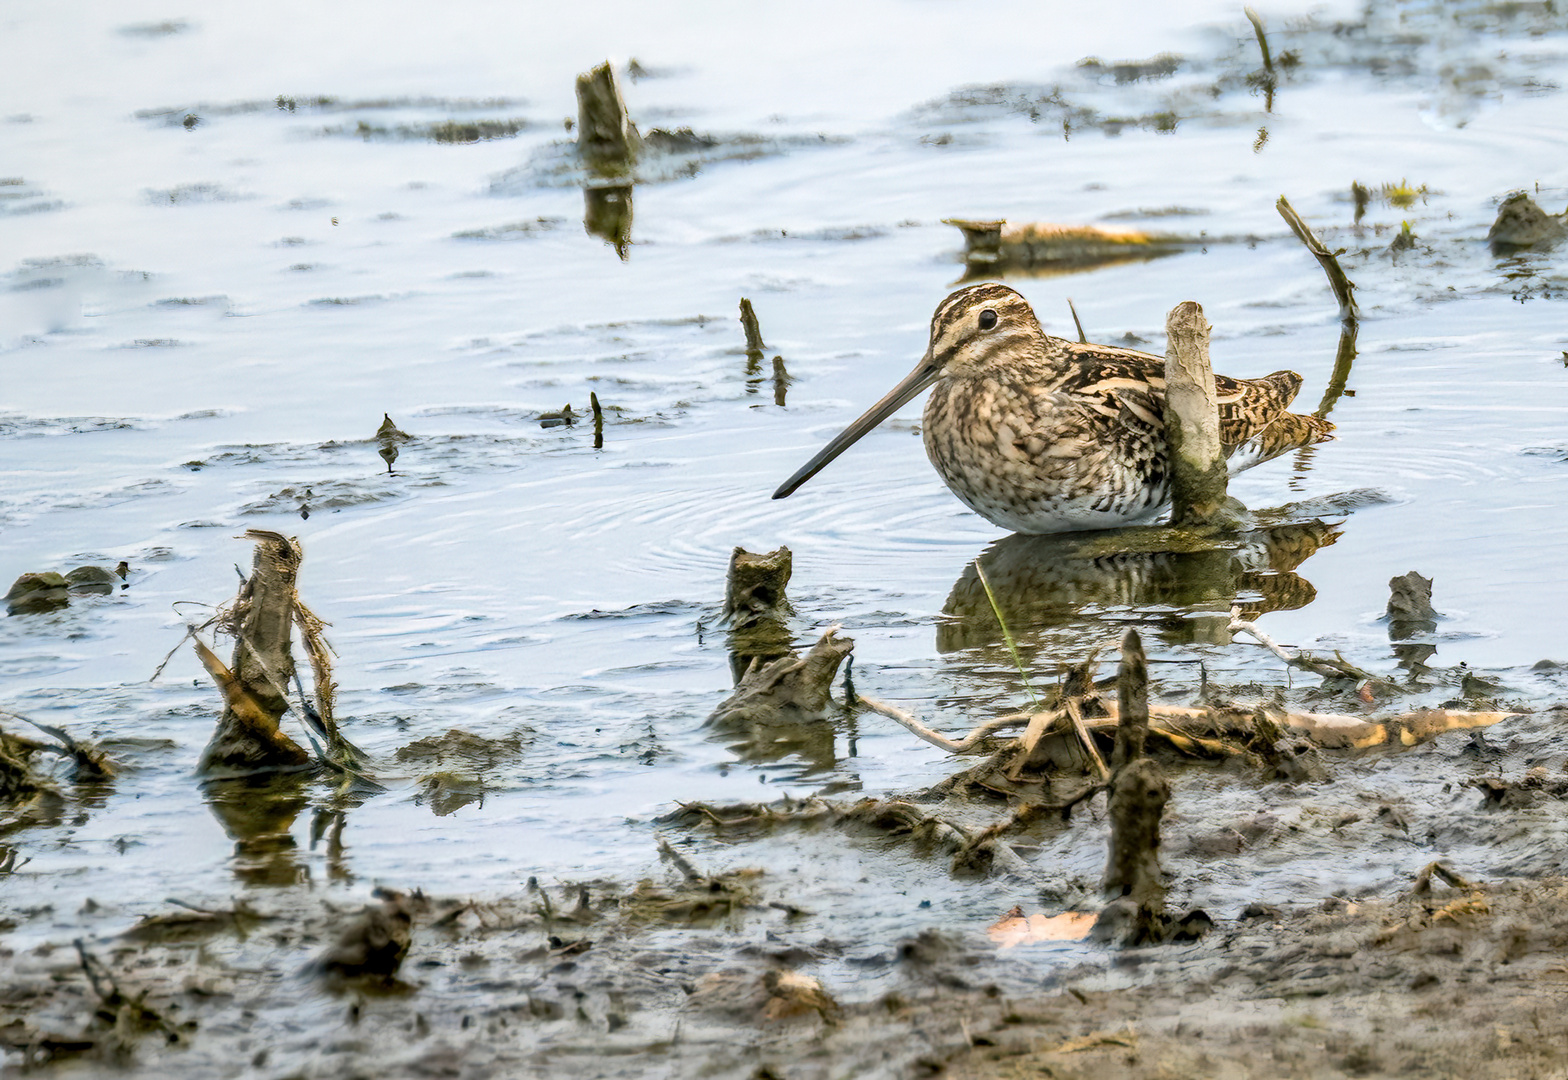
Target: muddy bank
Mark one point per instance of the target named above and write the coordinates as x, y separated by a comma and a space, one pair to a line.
717, 977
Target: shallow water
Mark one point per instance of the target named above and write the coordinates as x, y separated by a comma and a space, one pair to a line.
200, 328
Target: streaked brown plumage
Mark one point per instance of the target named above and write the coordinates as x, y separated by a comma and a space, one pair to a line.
1040, 435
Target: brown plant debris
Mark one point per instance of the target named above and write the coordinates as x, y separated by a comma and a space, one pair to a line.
373, 943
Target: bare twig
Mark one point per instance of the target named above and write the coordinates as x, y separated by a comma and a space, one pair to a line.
935, 738
115, 1004
1343, 287
1338, 668
1081, 336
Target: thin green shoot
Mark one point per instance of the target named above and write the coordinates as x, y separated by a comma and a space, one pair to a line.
1007, 635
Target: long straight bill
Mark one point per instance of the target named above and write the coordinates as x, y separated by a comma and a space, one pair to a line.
917, 380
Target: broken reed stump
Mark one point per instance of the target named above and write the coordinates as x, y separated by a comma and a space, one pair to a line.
1192, 423
255, 684
1410, 615
1138, 796
248, 739
1521, 223
607, 140
598, 420
755, 607
607, 145
748, 322
1344, 288
781, 381
755, 587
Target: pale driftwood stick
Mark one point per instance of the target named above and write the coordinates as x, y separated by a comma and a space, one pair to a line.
1331, 669
936, 738
982, 240
1344, 288
1192, 421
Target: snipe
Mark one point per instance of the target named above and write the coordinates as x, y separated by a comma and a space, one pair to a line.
1042, 435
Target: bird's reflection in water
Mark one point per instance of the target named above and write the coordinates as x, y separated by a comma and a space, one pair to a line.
1043, 582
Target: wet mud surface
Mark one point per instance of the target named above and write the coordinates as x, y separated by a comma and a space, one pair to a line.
615, 827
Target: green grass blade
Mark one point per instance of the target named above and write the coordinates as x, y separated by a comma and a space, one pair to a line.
1007, 635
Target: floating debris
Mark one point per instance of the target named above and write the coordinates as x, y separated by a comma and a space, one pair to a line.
1015, 929
564, 418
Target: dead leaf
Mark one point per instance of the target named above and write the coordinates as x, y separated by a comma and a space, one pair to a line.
1014, 929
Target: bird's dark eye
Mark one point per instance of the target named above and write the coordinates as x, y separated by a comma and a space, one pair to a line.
987, 319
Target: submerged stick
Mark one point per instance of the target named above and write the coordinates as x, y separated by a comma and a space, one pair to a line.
1192, 421
1344, 288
